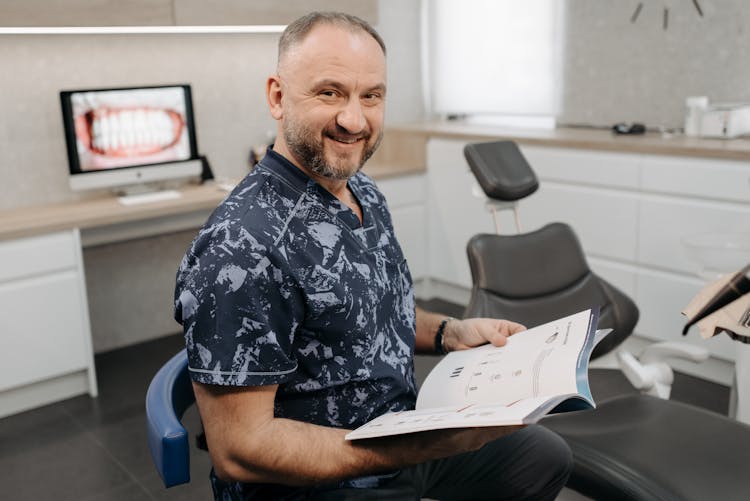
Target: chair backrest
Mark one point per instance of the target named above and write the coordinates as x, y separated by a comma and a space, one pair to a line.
536, 277
169, 395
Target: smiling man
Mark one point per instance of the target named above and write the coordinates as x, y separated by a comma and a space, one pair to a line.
299, 314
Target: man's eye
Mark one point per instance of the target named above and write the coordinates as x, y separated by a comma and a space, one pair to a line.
328, 93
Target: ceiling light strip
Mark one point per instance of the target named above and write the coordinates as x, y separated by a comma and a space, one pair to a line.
139, 30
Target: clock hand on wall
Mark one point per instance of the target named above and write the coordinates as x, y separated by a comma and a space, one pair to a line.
665, 21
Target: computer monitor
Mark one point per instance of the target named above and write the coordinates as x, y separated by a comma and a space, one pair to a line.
130, 139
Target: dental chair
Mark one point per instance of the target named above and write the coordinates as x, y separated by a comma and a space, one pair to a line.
631, 447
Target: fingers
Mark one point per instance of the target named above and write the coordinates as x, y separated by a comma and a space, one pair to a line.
509, 328
477, 331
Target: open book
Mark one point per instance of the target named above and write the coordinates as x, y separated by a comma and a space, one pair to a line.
538, 371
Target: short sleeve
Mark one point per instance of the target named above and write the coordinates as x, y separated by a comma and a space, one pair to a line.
239, 309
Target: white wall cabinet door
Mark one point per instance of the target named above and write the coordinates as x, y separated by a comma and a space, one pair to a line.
406, 197
666, 221
45, 337
40, 329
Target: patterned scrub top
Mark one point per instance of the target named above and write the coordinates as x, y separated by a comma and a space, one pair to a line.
283, 285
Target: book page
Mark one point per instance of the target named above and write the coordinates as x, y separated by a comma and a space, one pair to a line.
397, 423
547, 360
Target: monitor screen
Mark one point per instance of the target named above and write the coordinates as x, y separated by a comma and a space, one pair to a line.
126, 130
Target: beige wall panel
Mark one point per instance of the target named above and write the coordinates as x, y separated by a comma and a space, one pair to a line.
130, 288
86, 13
229, 12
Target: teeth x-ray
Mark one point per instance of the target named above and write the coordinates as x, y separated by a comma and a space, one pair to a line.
119, 128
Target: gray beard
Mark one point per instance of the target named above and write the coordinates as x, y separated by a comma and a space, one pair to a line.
309, 151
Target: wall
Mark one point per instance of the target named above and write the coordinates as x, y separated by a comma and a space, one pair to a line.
130, 284
616, 70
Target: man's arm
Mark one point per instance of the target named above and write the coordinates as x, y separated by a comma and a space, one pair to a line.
462, 334
248, 444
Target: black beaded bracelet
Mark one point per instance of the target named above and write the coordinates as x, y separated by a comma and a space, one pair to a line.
439, 340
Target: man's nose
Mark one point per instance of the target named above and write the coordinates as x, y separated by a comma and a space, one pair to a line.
352, 117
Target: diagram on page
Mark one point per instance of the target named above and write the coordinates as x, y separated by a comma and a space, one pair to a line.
492, 375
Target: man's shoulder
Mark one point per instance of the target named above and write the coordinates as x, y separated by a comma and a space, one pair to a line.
260, 204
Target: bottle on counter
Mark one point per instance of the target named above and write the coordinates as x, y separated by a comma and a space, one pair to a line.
694, 108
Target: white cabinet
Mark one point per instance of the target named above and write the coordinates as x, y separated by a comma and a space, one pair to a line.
406, 196
630, 212
45, 339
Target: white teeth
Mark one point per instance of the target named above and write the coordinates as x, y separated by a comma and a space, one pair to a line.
131, 129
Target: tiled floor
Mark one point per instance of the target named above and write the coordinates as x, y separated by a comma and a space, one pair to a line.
86, 449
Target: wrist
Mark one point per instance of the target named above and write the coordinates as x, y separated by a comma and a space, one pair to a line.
440, 347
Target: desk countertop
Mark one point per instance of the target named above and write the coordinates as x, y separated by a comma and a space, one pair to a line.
591, 139
106, 211
102, 211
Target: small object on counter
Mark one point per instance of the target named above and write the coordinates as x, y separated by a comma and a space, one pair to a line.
628, 128
695, 106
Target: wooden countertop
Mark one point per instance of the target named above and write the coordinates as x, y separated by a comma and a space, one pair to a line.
590, 139
107, 211
103, 211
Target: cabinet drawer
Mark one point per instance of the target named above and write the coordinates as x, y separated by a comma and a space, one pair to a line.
42, 330
31, 256
606, 221
702, 177
619, 170
666, 221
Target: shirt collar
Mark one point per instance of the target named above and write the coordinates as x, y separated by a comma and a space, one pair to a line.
279, 164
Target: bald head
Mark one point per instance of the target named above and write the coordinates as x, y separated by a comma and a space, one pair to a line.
296, 32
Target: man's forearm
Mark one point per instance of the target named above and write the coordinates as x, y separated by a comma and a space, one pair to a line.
296, 453
248, 443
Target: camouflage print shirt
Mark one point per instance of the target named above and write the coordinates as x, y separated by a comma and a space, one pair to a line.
283, 285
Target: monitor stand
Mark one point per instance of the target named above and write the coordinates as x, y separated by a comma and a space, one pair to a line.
145, 195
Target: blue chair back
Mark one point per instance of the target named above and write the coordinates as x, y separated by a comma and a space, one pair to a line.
169, 395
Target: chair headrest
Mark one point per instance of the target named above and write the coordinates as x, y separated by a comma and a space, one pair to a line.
501, 170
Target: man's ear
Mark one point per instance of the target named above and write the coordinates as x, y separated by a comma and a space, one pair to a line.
273, 96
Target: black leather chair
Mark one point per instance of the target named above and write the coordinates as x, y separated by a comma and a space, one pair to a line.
632, 447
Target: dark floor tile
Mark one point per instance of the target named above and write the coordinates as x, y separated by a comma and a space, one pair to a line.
37, 428
123, 376
198, 489
128, 492
127, 442
71, 468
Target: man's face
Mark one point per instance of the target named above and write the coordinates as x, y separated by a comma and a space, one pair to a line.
333, 101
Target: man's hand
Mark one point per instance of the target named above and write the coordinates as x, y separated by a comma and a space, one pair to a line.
470, 332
